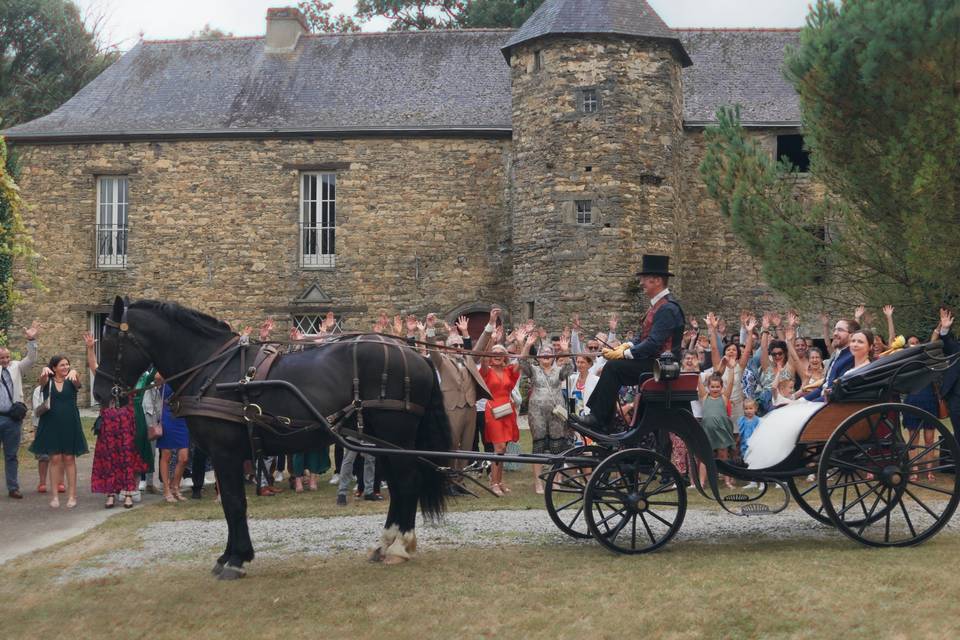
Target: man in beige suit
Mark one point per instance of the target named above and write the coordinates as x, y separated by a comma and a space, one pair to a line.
460, 383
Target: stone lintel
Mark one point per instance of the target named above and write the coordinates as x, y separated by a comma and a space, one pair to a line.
317, 166
114, 170
303, 309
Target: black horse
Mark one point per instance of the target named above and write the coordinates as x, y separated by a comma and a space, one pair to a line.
174, 339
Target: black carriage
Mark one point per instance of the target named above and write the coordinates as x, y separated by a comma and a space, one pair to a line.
863, 464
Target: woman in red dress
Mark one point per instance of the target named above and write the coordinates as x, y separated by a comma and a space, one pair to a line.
500, 419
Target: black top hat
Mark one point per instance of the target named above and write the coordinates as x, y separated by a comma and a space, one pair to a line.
655, 266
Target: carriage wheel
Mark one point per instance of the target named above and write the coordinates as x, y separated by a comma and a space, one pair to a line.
563, 490
635, 501
808, 498
880, 505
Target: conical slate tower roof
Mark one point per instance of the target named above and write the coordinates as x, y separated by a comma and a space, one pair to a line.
620, 17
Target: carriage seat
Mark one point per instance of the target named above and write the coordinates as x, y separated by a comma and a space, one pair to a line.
905, 371
683, 389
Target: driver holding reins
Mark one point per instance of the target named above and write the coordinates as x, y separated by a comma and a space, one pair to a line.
662, 331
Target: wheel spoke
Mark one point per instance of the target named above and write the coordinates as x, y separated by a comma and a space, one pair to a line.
866, 520
612, 515
620, 525
569, 504
860, 499
862, 450
666, 522
925, 451
921, 503
666, 488
576, 516
646, 526
886, 526
650, 478
849, 465
929, 488
907, 517
663, 504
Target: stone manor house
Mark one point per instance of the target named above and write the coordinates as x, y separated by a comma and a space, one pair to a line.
297, 173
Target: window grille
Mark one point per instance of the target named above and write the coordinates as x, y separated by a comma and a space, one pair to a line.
309, 325
584, 211
112, 222
589, 101
318, 220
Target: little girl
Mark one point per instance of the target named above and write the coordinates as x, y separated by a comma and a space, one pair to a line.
715, 399
748, 423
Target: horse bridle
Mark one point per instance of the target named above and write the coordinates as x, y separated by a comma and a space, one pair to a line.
121, 389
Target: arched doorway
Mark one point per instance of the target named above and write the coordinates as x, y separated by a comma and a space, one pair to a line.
477, 314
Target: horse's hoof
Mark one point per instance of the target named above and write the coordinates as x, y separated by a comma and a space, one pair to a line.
393, 560
217, 569
231, 573
375, 555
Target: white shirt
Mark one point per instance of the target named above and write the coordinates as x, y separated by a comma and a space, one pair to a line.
655, 299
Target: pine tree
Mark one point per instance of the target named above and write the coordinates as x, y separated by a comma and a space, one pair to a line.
879, 82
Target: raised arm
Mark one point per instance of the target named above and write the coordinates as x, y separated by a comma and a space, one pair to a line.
712, 322
91, 351
30, 333
749, 326
575, 333
790, 333
764, 342
891, 333
825, 323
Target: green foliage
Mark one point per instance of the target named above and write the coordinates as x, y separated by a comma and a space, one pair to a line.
878, 84
418, 15
15, 242
46, 56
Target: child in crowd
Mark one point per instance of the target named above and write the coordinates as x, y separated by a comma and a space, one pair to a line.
715, 398
748, 423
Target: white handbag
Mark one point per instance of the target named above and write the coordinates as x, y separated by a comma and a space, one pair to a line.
502, 410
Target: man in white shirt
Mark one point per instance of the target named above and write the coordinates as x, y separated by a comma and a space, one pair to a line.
11, 392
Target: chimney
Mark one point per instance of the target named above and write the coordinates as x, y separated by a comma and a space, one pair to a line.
284, 27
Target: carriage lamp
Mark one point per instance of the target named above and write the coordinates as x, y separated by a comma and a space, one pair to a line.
666, 367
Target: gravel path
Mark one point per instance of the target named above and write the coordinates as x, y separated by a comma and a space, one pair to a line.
202, 540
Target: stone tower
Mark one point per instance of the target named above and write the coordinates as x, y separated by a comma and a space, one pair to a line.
597, 128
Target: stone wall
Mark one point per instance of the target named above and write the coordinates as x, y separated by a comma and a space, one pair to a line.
624, 157
421, 226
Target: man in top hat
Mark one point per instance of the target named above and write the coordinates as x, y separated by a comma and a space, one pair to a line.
662, 331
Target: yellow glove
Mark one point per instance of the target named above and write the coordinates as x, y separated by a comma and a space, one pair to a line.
616, 354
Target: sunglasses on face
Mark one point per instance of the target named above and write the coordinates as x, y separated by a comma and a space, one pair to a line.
777, 353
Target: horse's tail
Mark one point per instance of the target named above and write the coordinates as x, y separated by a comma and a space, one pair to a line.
433, 434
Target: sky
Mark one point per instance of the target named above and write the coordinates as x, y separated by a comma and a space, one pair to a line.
125, 20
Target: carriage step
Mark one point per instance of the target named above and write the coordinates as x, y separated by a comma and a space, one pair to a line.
755, 510
736, 497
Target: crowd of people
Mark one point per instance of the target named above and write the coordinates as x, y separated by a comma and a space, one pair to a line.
767, 370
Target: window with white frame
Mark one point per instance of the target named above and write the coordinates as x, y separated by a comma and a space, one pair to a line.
112, 222
310, 324
589, 102
318, 219
584, 211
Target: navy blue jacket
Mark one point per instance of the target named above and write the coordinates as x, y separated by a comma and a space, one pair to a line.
842, 362
950, 386
667, 322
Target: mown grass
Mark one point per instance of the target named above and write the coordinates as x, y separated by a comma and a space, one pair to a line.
738, 589
741, 587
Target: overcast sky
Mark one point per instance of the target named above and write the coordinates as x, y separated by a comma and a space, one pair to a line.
163, 19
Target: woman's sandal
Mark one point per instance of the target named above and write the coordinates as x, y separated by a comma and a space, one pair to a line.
41, 488
504, 488
179, 496
71, 503
496, 490
128, 502
168, 497
931, 477
55, 503
111, 502
298, 485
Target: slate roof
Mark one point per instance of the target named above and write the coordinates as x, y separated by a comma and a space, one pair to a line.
739, 66
622, 17
452, 82
441, 80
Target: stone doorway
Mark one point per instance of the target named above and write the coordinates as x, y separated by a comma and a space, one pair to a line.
478, 314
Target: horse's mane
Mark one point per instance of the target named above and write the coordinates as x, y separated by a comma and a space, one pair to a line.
202, 323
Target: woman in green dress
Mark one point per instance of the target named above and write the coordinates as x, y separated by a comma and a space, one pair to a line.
60, 434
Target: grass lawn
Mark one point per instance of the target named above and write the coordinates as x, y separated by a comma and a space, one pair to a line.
723, 588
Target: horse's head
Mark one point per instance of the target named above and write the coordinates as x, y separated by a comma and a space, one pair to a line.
122, 357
